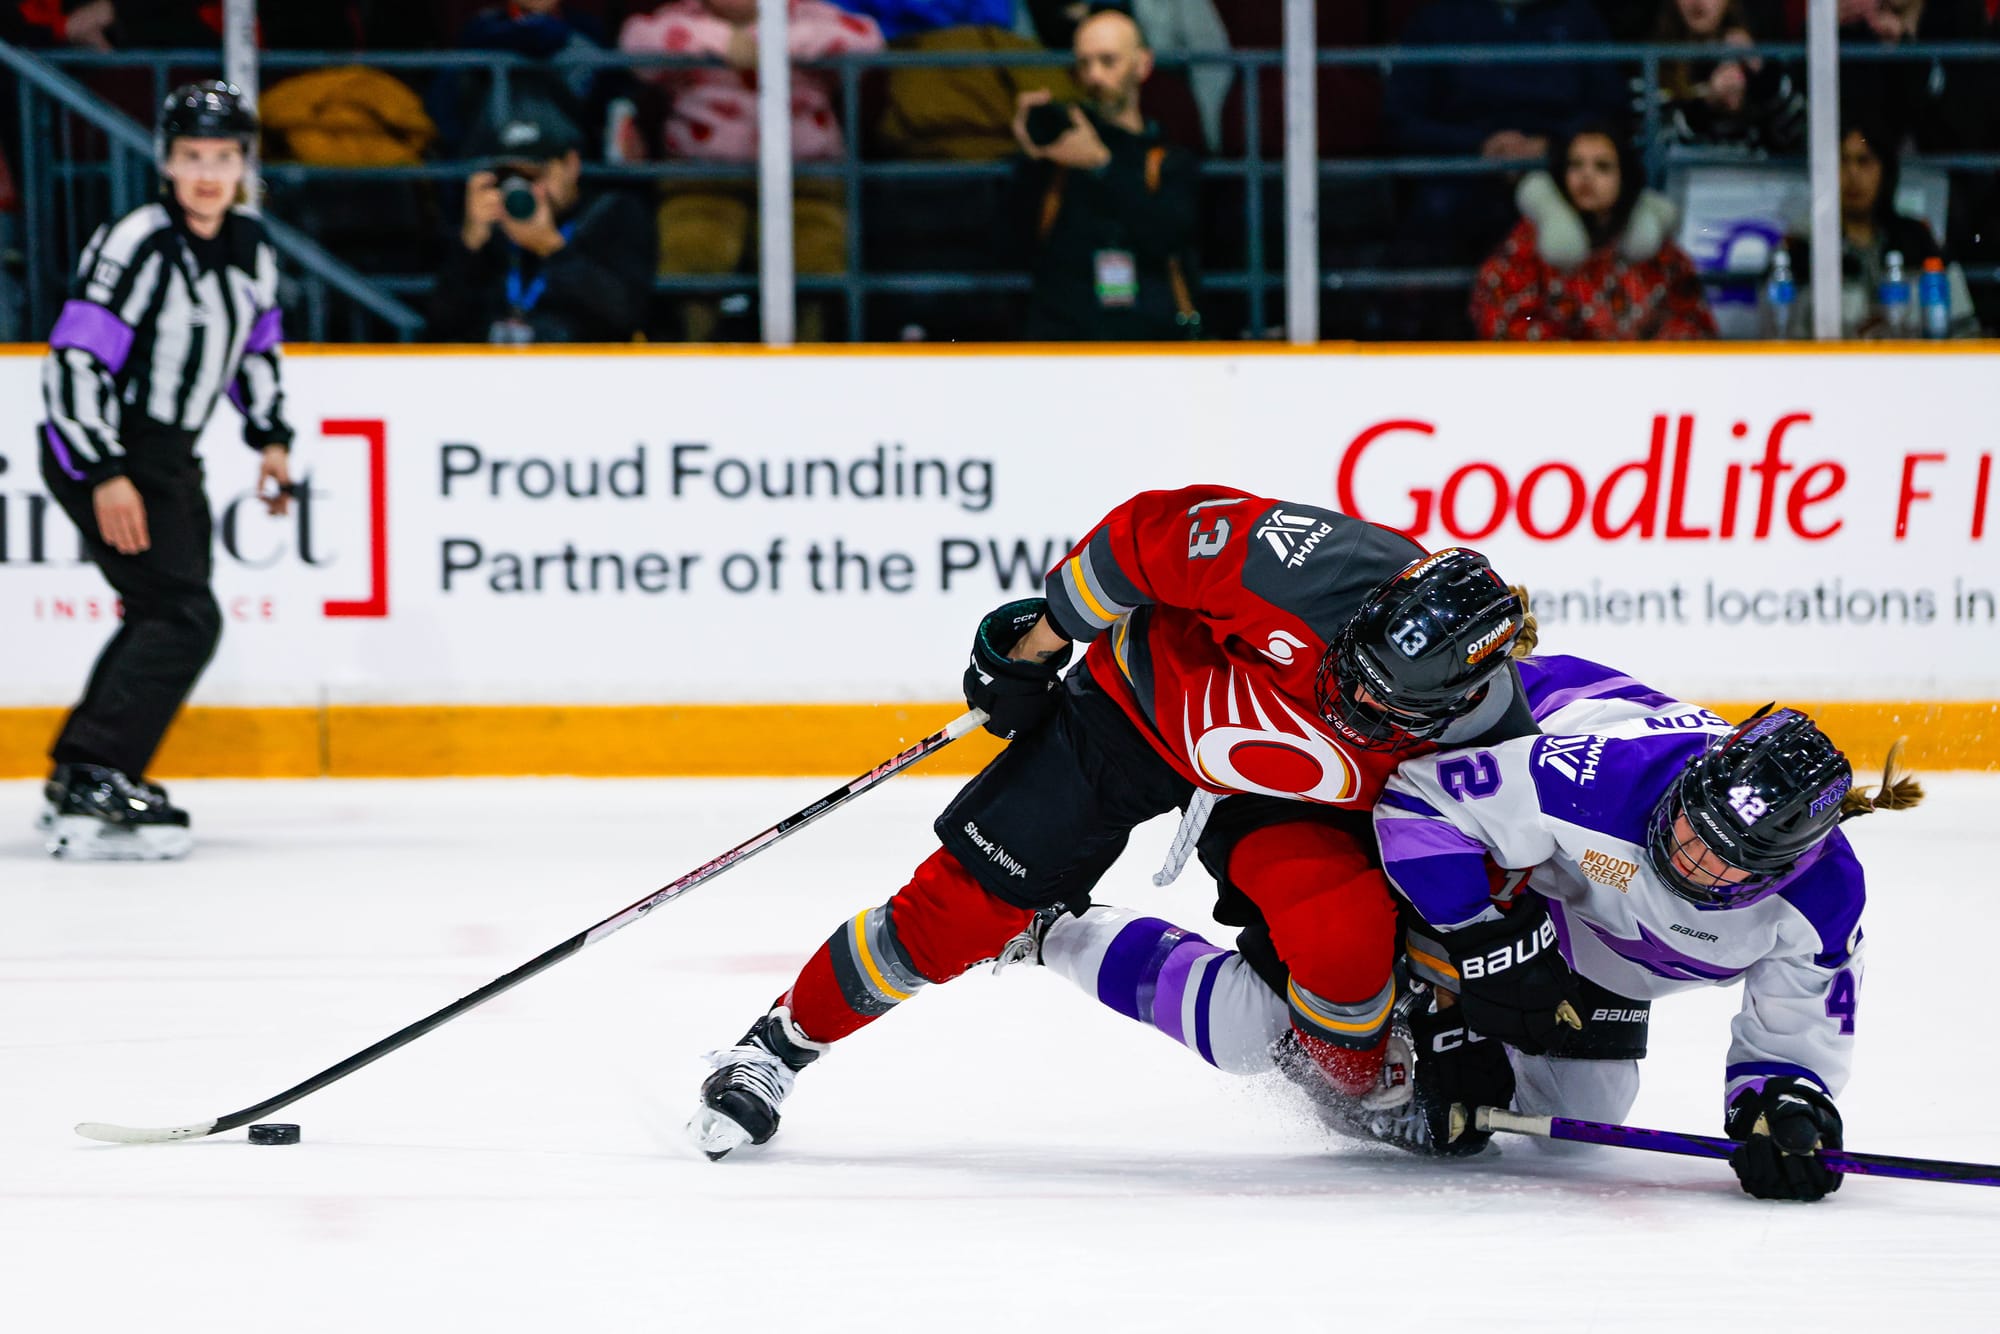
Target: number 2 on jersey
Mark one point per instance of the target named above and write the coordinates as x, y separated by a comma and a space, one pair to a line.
1473, 776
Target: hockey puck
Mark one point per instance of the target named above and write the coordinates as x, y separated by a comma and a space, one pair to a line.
274, 1132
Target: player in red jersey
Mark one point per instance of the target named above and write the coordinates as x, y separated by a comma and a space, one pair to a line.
1258, 664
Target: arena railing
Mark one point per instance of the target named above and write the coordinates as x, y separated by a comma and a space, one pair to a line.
1258, 280
50, 177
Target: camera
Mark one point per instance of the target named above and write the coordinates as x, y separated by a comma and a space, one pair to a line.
517, 195
1048, 122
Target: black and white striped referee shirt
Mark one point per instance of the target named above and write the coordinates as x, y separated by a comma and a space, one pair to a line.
162, 323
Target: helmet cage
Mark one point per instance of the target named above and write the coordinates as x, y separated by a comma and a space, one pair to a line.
1762, 799
1392, 717
1452, 621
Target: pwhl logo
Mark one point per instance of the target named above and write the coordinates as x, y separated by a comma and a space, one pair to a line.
1574, 757
1293, 537
35, 534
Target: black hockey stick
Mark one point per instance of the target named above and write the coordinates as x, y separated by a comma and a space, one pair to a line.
1713, 1146
791, 824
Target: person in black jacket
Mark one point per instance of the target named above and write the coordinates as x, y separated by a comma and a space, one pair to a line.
175, 306
1112, 206
537, 262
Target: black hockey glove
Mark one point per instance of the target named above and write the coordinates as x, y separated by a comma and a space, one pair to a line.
1018, 696
1781, 1125
1457, 1071
1513, 983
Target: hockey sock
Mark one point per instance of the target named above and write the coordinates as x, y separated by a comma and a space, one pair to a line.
1333, 924
936, 927
1204, 997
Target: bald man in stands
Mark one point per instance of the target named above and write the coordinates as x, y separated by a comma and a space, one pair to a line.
1107, 208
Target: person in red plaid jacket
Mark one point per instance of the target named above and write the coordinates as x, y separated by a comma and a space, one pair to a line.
1592, 259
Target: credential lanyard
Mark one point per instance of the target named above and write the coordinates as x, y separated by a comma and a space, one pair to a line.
523, 296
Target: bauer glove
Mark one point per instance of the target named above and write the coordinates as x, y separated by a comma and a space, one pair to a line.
1018, 696
1783, 1125
1513, 982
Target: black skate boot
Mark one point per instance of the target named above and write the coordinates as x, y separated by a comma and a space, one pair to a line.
1433, 1077
100, 814
739, 1102
1386, 1113
1026, 948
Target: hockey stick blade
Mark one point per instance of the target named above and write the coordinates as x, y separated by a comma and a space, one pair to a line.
132, 1135
1715, 1146
624, 917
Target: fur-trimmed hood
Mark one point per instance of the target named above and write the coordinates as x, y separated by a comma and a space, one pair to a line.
1562, 239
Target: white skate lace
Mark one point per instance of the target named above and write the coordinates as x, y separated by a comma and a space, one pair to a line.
755, 1071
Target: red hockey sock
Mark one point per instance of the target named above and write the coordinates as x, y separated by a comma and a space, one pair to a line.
936, 927
1333, 924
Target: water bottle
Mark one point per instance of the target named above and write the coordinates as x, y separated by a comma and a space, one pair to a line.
1781, 298
1934, 299
1893, 297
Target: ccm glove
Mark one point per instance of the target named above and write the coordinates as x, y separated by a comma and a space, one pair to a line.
1782, 1126
1513, 983
1018, 696
1457, 1071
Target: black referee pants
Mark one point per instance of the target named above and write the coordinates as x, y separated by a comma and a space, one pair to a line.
171, 620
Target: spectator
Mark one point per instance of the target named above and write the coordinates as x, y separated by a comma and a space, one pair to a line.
1751, 104
906, 18
1507, 112
1172, 28
1936, 105
1871, 228
1592, 259
535, 260
712, 117
1114, 206
101, 25
538, 30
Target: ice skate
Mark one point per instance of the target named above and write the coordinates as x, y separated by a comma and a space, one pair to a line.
1388, 1111
1026, 948
99, 814
740, 1101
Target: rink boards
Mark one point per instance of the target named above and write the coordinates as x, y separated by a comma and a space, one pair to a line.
678, 562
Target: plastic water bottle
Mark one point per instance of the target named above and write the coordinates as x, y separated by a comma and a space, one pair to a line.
1934, 299
1781, 298
1893, 298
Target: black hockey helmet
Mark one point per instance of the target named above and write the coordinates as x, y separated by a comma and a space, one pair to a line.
210, 109
1423, 647
1760, 799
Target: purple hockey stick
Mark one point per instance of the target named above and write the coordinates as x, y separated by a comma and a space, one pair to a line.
1714, 1146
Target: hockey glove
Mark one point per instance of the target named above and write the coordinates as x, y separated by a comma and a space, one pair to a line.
1457, 1070
1018, 696
1782, 1125
1513, 983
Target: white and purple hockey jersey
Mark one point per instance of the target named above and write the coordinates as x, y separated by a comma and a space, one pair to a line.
1570, 810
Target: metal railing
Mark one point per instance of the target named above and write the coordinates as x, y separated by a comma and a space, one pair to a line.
52, 185
1257, 280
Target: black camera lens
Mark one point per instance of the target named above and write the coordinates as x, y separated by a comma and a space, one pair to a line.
517, 197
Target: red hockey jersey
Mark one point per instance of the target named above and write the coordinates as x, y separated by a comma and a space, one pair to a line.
1207, 611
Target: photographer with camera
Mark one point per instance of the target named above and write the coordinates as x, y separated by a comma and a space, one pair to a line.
1108, 207
535, 261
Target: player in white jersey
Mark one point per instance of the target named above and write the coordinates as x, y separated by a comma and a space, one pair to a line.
1640, 847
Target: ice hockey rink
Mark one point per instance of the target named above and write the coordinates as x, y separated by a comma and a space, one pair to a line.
1002, 1154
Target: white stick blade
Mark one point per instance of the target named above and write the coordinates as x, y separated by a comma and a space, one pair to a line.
130, 1135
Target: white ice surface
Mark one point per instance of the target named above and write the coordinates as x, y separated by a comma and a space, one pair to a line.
1002, 1154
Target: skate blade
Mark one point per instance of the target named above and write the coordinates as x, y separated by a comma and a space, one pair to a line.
83, 839
715, 1134
45, 820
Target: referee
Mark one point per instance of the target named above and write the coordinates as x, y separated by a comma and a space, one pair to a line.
174, 306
